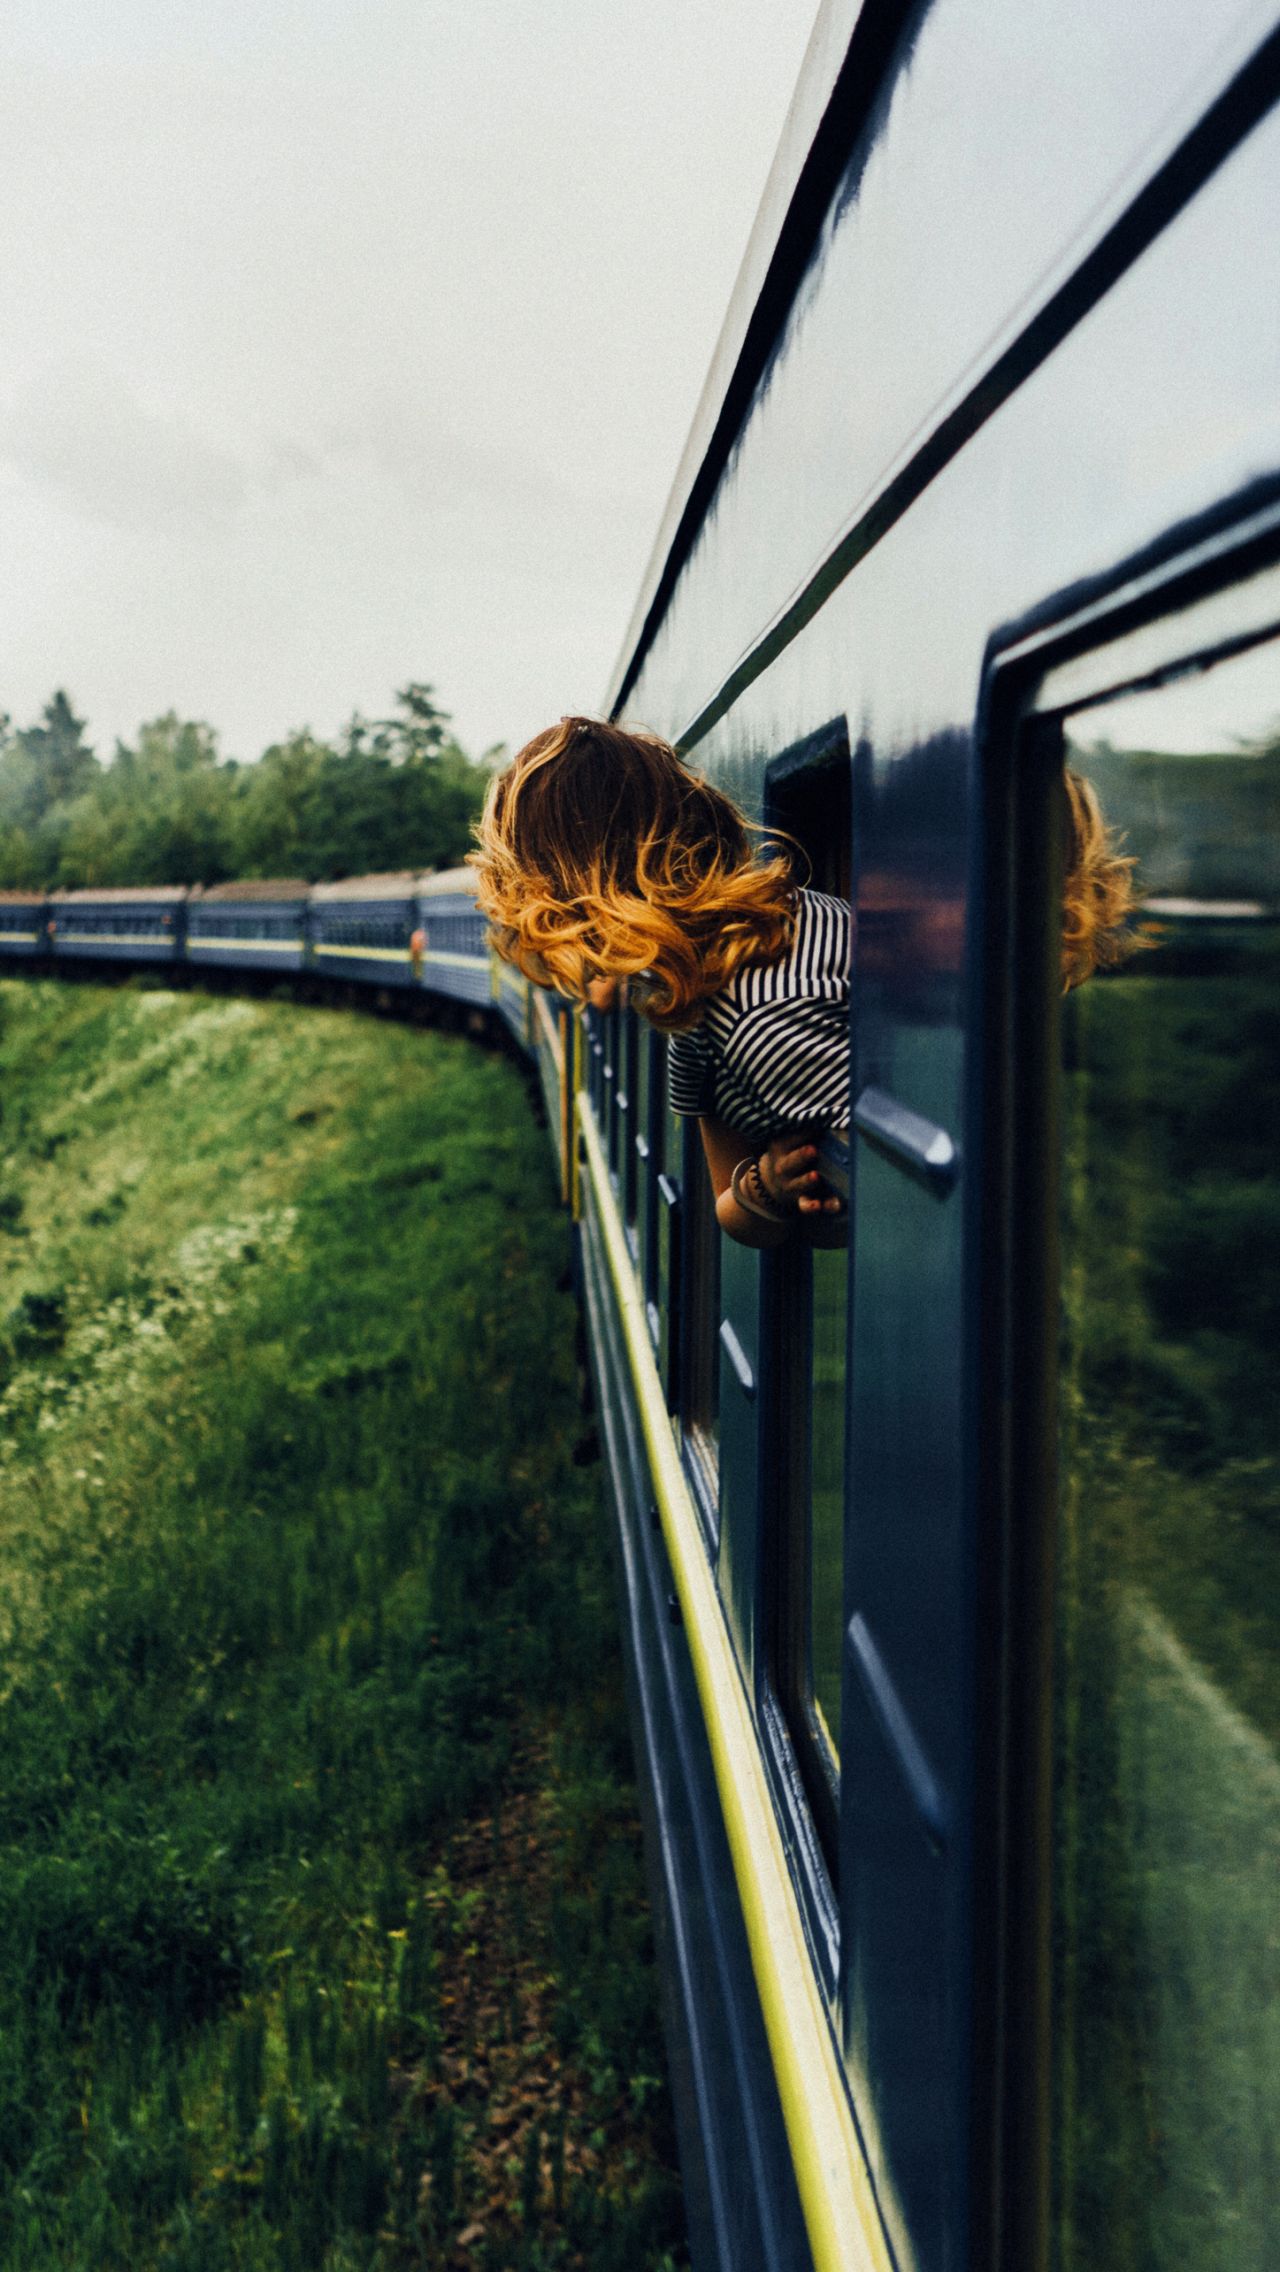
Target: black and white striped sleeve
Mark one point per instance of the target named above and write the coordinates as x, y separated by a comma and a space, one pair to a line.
691, 1087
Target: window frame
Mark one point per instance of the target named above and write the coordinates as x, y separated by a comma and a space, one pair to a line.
797, 785
650, 1153
699, 1329
1152, 618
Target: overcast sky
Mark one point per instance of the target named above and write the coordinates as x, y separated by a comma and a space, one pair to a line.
355, 341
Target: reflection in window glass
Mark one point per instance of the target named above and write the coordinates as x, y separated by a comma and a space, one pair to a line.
826, 1471
701, 1265
1167, 1798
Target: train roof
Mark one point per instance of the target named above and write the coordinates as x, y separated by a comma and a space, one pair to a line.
809, 161
23, 898
401, 884
259, 888
166, 895
448, 879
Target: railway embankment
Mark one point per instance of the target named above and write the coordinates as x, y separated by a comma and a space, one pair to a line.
322, 1933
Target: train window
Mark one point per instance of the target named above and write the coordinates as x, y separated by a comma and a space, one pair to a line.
611, 1025
593, 1022
668, 1228
649, 1124
629, 1120
1166, 1703
625, 1107
825, 1577
635, 1062
700, 1319
808, 794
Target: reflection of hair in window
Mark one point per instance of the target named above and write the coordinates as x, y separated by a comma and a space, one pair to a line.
602, 855
1099, 897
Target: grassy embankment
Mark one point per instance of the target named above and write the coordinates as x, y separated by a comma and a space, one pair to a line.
322, 1940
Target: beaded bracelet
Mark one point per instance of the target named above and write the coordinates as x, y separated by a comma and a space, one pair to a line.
760, 1202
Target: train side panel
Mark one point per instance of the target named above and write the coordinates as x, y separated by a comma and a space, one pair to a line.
143, 927
252, 925
454, 950
24, 926
362, 930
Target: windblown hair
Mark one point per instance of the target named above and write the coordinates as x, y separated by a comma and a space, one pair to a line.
1099, 897
602, 855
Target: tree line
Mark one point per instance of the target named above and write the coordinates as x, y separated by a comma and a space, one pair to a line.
394, 792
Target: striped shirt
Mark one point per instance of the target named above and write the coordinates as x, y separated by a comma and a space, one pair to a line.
771, 1051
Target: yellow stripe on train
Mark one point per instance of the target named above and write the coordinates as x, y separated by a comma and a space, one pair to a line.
837, 2196
365, 954
267, 946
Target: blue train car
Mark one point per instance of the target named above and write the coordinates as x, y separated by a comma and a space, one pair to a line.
146, 925
950, 1564
453, 950
24, 925
514, 1001
257, 924
363, 929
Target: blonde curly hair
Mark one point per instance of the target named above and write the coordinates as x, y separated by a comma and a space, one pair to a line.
1099, 897
602, 855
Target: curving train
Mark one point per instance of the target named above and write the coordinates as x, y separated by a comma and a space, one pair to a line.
391, 931
949, 1564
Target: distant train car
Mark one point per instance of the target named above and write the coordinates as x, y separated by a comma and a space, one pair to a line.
453, 952
515, 1000
363, 928
134, 926
24, 924
257, 924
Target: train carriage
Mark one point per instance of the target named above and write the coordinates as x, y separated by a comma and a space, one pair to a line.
24, 924
255, 924
363, 929
127, 925
454, 953
514, 999
949, 1563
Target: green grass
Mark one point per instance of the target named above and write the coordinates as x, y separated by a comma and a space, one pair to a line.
303, 1592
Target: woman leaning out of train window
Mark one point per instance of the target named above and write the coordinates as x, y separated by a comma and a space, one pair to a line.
604, 860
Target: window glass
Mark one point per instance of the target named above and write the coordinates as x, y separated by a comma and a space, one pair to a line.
826, 1490
611, 1078
666, 1248
594, 1024
1166, 1984
809, 797
625, 1107
700, 1396
653, 1059
642, 1170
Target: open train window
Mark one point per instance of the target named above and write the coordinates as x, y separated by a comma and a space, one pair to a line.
808, 794
626, 1102
650, 1153
1146, 1236
700, 1319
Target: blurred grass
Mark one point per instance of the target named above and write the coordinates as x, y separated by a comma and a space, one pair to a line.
296, 1565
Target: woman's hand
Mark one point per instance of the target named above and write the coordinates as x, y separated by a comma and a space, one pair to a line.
790, 1174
